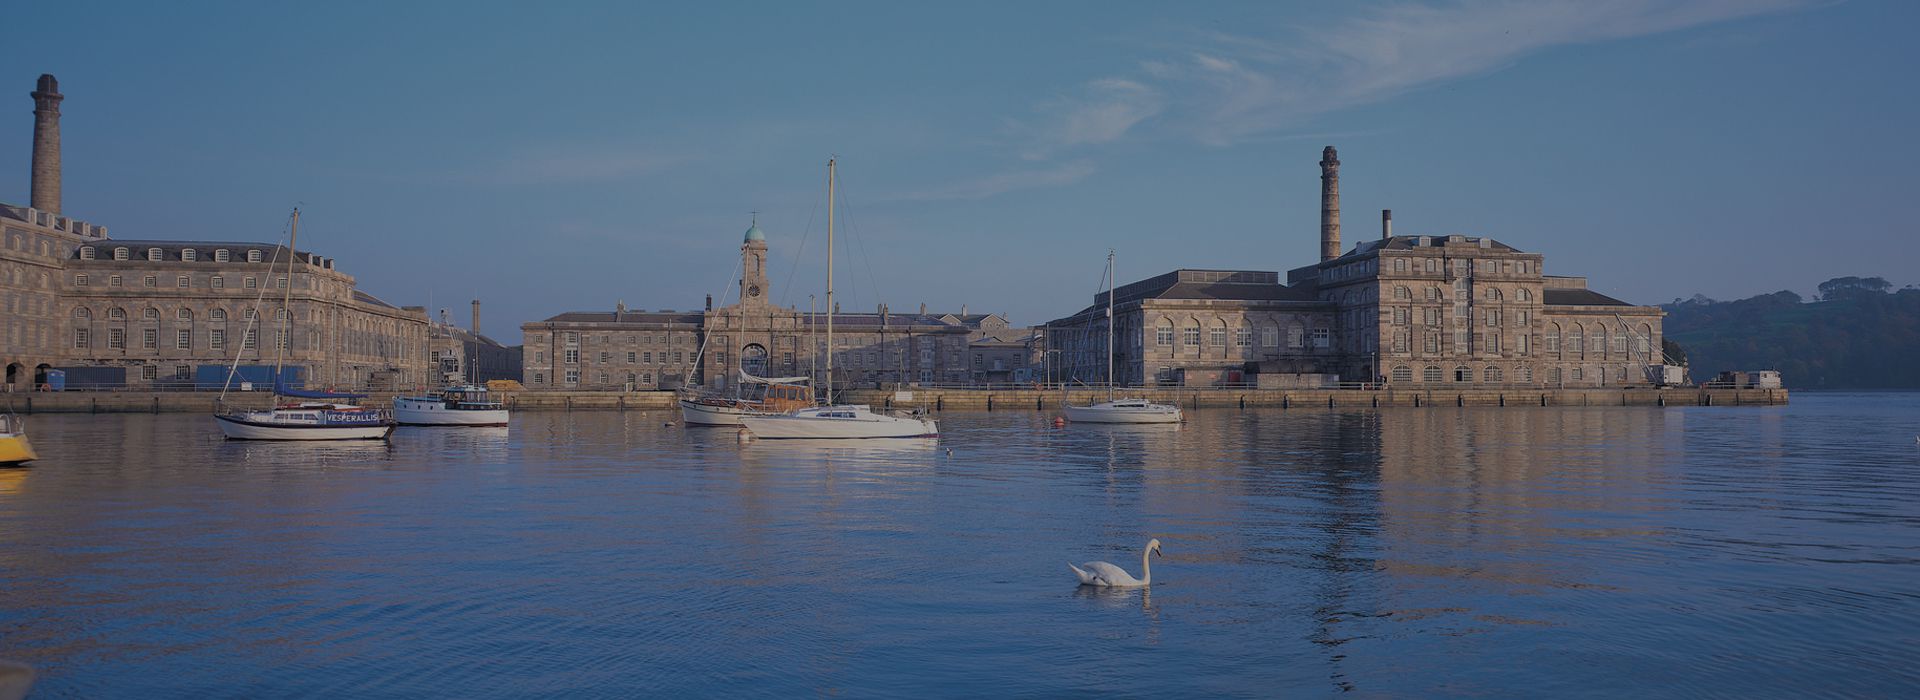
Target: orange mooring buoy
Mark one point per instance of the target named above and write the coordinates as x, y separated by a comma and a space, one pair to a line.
1059, 421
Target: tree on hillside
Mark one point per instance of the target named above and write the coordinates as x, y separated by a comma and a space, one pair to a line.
1843, 288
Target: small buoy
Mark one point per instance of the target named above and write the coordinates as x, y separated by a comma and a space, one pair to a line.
1059, 421
745, 435
667, 424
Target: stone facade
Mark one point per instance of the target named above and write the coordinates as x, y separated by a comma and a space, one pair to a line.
638, 350
461, 355
162, 309
1399, 310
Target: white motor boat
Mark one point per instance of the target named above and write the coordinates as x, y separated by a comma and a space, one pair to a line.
1123, 411
460, 405
307, 421
846, 421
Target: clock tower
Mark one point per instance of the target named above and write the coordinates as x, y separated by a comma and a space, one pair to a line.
753, 266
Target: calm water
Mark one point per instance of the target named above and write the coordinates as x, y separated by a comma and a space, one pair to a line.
1690, 552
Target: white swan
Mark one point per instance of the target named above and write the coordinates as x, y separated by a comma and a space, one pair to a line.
1100, 573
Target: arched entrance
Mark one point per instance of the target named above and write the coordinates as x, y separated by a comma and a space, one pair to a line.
13, 375
753, 360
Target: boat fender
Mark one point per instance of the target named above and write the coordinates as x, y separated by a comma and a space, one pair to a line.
1059, 421
745, 435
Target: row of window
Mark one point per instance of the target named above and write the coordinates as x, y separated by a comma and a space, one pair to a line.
181, 281
183, 314
1463, 266
1242, 337
1403, 293
157, 254
182, 340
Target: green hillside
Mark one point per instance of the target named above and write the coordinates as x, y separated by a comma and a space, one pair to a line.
1859, 334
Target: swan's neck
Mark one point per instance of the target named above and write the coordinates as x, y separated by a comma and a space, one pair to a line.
1146, 566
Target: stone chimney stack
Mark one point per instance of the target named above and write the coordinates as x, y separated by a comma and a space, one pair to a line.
1386, 224
476, 317
1329, 204
46, 145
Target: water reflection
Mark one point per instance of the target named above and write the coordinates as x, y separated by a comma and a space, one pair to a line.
1396, 552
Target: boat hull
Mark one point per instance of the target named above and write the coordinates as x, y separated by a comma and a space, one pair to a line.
241, 429
693, 413
807, 426
1104, 413
407, 411
14, 449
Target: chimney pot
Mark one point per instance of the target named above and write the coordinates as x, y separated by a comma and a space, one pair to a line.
1386, 224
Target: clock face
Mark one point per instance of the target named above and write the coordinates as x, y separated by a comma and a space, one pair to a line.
753, 291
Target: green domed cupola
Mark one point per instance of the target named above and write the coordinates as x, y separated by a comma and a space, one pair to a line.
753, 232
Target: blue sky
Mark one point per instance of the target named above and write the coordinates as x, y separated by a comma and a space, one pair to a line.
568, 157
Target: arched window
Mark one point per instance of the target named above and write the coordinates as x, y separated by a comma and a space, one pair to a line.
153, 255
218, 314
1597, 343
1433, 294
150, 313
1402, 374
1491, 375
1270, 337
1432, 265
1493, 294
120, 253
253, 256
1190, 336
1402, 292
1524, 294
1463, 374
753, 360
184, 314
82, 312
1296, 335
1163, 333
86, 252
1217, 335
1523, 374
1575, 340
1399, 264
1431, 374
1553, 338
116, 314
222, 255
1645, 341
189, 255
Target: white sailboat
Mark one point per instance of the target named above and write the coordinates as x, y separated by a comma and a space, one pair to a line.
1119, 410
777, 395
836, 422
317, 415
467, 404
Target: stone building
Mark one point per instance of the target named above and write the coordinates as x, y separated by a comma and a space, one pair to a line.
152, 313
639, 350
1403, 310
462, 355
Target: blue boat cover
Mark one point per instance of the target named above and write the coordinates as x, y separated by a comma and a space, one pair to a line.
282, 390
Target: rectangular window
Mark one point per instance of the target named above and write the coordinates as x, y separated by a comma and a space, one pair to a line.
79, 280
183, 339
1493, 318
280, 339
113, 281
1460, 342
606, 357
1433, 343
1322, 338
679, 357
149, 339
218, 282
1190, 337
252, 283
539, 378
572, 356
1217, 337
573, 376
151, 281
81, 338
1491, 342
646, 358
116, 338
1163, 336
1525, 343
183, 281
573, 338
280, 283
1242, 337
217, 339
250, 340
149, 372
632, 357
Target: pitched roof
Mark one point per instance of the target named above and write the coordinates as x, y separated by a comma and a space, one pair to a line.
1578, 297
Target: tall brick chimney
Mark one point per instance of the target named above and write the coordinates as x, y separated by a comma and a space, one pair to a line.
1329, 204
1386, 224
46, 145
476, 317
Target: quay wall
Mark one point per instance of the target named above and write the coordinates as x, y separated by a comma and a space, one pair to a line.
971, 399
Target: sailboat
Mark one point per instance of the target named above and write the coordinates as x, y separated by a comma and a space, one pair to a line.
776, 395
315, 415
836, 421
1119, 410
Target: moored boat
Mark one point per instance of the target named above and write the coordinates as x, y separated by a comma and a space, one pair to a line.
307, 420
845, 421
780, 395
467, 404
1119, 410
14, 448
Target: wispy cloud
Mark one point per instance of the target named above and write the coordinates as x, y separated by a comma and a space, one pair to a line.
1222, 88
1001, 183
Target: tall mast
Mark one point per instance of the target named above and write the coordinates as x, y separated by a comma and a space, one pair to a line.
830, 308
1109, 324
286, 303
